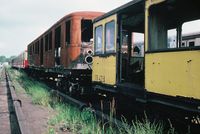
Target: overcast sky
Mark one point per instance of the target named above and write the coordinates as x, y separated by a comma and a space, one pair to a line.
21, 21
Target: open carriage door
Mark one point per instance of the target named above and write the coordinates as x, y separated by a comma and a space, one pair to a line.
130, 46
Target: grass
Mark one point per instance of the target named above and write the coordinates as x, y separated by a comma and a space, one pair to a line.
141, 127
71, 119
36, 90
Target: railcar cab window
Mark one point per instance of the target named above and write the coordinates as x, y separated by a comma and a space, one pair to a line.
110, 37
86, 30
169, 28
99, 40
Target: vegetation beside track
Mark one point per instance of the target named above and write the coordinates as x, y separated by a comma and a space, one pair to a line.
71, 120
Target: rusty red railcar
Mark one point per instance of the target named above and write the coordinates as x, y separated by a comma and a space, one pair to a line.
64, 52
65, 44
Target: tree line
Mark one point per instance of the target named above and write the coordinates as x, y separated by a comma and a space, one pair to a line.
5, 59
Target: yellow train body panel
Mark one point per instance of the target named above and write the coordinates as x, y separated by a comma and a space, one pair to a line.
104, 66
173, 73
104, 70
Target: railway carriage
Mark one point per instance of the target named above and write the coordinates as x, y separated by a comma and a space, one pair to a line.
163, 75
63, 52
21, 61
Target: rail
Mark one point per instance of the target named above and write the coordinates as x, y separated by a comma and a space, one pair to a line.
21, 120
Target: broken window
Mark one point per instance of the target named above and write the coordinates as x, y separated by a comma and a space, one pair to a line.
57, 45
67, 30
46, 42
173, 26
41, 51
37, 47
50, 41
86, 30
30, 50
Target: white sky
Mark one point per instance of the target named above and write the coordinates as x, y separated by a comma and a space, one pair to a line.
22, 21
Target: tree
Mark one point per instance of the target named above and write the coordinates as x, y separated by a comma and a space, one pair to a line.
3, 59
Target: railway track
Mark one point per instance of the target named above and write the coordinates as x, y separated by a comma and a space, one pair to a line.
11, 116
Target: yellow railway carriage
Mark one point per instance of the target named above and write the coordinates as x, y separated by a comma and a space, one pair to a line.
158, 71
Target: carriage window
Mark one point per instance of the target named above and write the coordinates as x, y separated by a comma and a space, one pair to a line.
99, 40
137, 44
110, 37
50, 41
191, 44
162, 35
37, 47
30, 49
124, 42
183, 44
34, 48
67, 32
86, 30
58, 37
191, 27
167, 31
46, 42
171, 38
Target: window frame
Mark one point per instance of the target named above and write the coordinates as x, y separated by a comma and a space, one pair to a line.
102, 43
68, 33
50, 44
178, 45
191, 41
46, 42
114, 39
185, 44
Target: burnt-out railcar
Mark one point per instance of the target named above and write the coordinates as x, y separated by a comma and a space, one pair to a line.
65, 43
65, 49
